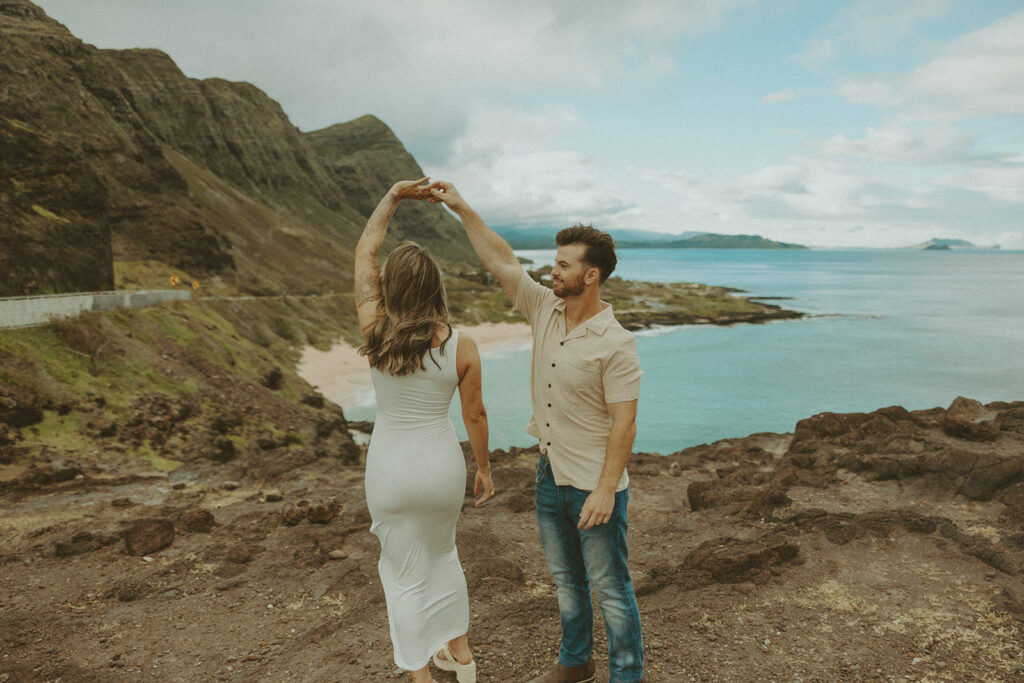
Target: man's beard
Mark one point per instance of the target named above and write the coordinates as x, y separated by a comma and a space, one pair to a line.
565, 289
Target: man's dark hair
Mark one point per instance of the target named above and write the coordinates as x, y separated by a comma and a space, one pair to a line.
599, 246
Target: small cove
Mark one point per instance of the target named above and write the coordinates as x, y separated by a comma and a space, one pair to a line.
884, 327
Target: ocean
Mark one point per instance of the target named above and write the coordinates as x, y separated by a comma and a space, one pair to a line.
883, 327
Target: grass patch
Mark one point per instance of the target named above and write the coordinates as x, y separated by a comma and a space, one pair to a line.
58, 431
150, 274
157, 461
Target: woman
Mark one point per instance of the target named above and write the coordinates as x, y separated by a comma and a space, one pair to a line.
415, 469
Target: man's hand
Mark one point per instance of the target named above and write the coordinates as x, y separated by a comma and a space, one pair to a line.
597, 509
443, 191
412, 189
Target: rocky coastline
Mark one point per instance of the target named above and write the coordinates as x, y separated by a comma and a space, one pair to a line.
641, 305
876, 546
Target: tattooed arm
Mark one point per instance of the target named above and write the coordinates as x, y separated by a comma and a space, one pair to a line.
367, 271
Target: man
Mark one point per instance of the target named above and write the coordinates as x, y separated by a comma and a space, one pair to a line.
584, 384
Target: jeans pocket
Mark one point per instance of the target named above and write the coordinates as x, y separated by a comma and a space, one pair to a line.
542, 469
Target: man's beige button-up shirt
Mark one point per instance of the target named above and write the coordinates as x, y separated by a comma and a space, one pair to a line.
573, 376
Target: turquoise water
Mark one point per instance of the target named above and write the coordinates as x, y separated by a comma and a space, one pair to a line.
912, 328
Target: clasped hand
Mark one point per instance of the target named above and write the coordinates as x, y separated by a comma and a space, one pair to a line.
434, 192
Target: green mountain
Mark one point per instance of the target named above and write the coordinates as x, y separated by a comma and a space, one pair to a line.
715, 241
544, 238
937, 243
118, 169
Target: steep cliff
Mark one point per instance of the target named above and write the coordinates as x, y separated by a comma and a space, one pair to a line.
364, 157
116, 156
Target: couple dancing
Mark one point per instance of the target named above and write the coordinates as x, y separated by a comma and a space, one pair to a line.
584, 380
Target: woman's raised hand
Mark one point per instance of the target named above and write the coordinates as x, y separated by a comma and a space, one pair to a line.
483, 483
443, 191
412, 189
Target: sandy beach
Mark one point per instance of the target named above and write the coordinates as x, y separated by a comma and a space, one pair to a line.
343, 376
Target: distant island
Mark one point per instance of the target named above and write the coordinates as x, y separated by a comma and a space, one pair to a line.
544, 238
940, 244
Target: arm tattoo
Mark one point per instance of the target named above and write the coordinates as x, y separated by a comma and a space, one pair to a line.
368, 287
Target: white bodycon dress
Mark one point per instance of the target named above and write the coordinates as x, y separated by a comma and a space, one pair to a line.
415, 486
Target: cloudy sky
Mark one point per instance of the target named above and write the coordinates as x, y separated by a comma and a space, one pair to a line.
824, 122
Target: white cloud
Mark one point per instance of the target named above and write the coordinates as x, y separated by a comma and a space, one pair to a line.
461, 84
510, 164
869, 27
1002, 183
902, 144
415, 65
979, 74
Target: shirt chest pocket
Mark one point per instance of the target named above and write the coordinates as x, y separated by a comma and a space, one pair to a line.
581, 376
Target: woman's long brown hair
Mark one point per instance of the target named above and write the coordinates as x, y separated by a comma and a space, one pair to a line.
413, 307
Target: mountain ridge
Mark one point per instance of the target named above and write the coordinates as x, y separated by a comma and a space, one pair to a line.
544, 238
117, 158
949, 243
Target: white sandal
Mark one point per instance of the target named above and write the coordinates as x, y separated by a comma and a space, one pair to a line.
465, 673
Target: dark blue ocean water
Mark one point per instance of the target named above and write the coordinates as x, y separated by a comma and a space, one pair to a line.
884, 327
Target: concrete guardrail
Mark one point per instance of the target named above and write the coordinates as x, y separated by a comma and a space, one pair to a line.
27, 311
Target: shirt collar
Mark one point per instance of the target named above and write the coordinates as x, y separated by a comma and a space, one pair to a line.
596, 323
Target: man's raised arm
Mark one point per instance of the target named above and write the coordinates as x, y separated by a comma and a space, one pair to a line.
489, 246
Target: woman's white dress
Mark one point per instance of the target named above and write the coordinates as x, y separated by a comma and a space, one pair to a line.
415, 485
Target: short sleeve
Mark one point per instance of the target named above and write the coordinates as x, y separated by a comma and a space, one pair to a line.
621, 373
530, 297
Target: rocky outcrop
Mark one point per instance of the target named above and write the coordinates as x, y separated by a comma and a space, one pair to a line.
932, 449
969, 419
364, 158
87, 180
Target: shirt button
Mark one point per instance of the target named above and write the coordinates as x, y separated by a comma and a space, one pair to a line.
549, 405
552, 365
549, 386
549, 443
547, 424
561, 343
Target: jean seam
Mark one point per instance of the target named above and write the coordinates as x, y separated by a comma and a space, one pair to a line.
619, 583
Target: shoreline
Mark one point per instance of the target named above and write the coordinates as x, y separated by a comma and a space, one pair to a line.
343, 376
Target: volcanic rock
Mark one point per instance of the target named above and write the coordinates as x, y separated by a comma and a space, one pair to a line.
969, 419
145, 536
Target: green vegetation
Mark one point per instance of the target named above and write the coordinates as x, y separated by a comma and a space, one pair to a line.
133, 372
159, 463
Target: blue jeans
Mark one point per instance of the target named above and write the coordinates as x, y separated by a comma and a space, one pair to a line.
579, 559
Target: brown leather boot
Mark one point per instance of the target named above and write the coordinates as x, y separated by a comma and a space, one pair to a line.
569, 674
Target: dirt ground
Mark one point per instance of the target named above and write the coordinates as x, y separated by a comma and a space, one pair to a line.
859, 548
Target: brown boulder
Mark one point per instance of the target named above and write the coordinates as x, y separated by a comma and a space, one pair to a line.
145, 536
318, 512
842, 527
19, 410
969, 419
197, 521
987, 479
322, 512
1012, 421
825, 426
294, 513
732, 560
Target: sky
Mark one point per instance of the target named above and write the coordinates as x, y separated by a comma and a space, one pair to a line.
830, 123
